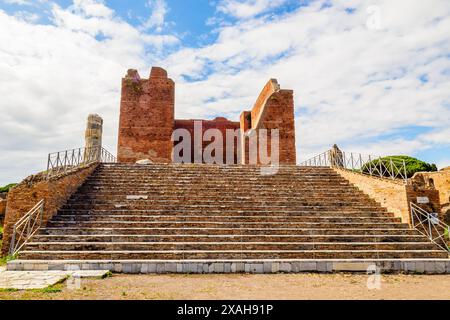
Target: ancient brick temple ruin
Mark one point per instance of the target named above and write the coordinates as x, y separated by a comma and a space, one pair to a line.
147, 121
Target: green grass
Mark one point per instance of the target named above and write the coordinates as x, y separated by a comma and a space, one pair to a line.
56, 288
9, 290
5, 260
107, 275
49, 289
7, 187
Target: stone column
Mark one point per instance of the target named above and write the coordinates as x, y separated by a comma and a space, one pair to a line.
336, 157
93, 137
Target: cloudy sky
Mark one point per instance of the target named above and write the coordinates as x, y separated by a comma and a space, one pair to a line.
372, 76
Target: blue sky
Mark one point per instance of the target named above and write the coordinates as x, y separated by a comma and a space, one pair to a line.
371, 76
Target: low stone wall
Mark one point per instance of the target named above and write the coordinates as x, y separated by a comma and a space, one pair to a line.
2, 210
440, 181
55, 192
389, 193
394, 195
412, 266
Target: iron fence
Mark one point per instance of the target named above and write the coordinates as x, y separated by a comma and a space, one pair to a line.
26, 227
382, 167
430, 226
63, 161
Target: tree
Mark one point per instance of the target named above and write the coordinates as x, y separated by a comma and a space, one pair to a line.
7, 187
413, 165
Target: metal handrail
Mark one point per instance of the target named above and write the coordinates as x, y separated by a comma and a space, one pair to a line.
382, 167
63, 161
430, 226
26, 227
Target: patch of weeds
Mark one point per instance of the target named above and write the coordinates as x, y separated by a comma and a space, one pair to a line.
9, 290
109, 274
57, 288
5, 260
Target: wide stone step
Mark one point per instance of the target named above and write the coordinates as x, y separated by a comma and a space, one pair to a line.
216, 246
228, 238
243, 218
212, 207
222, 213
215, 224
232, 254
219, 193
223, 231
168, 203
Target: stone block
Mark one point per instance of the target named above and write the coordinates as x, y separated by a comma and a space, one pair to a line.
440, 267
410, 267
275, 267
127, 268
218, 267
322, 266
144, 268
420, 267
350, 266
118, 268
160, 268
285, 267
193, 268
267, 267
152, 268
430, 267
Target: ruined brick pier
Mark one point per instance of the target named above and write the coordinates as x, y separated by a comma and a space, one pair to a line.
147, 120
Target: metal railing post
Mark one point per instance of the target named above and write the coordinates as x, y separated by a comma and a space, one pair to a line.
404, 168
429, 226
13, 242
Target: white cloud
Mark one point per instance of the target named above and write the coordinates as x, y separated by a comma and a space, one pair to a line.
157, 17
247, 8
18, 2
92, 8
53, 76
353, 86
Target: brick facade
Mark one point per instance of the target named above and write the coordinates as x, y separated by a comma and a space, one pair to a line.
55, 192
395, 196
440, 181
146, 123
147, 120
2, 210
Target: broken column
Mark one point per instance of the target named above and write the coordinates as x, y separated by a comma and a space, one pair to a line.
336, 157
93, 137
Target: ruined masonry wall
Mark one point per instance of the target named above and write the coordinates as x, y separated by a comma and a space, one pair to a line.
29, 192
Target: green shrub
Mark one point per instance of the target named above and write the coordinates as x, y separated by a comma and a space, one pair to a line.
7, 187
413, 165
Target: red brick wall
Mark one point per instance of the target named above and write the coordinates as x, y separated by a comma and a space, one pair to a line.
146, 117
29, 192
221, 124
412, 192
2, 210
279, 114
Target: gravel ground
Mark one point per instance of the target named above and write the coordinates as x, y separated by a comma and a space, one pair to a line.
282, 286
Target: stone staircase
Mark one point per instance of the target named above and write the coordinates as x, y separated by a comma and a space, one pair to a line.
200, 213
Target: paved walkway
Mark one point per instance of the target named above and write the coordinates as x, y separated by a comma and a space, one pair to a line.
27, 280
